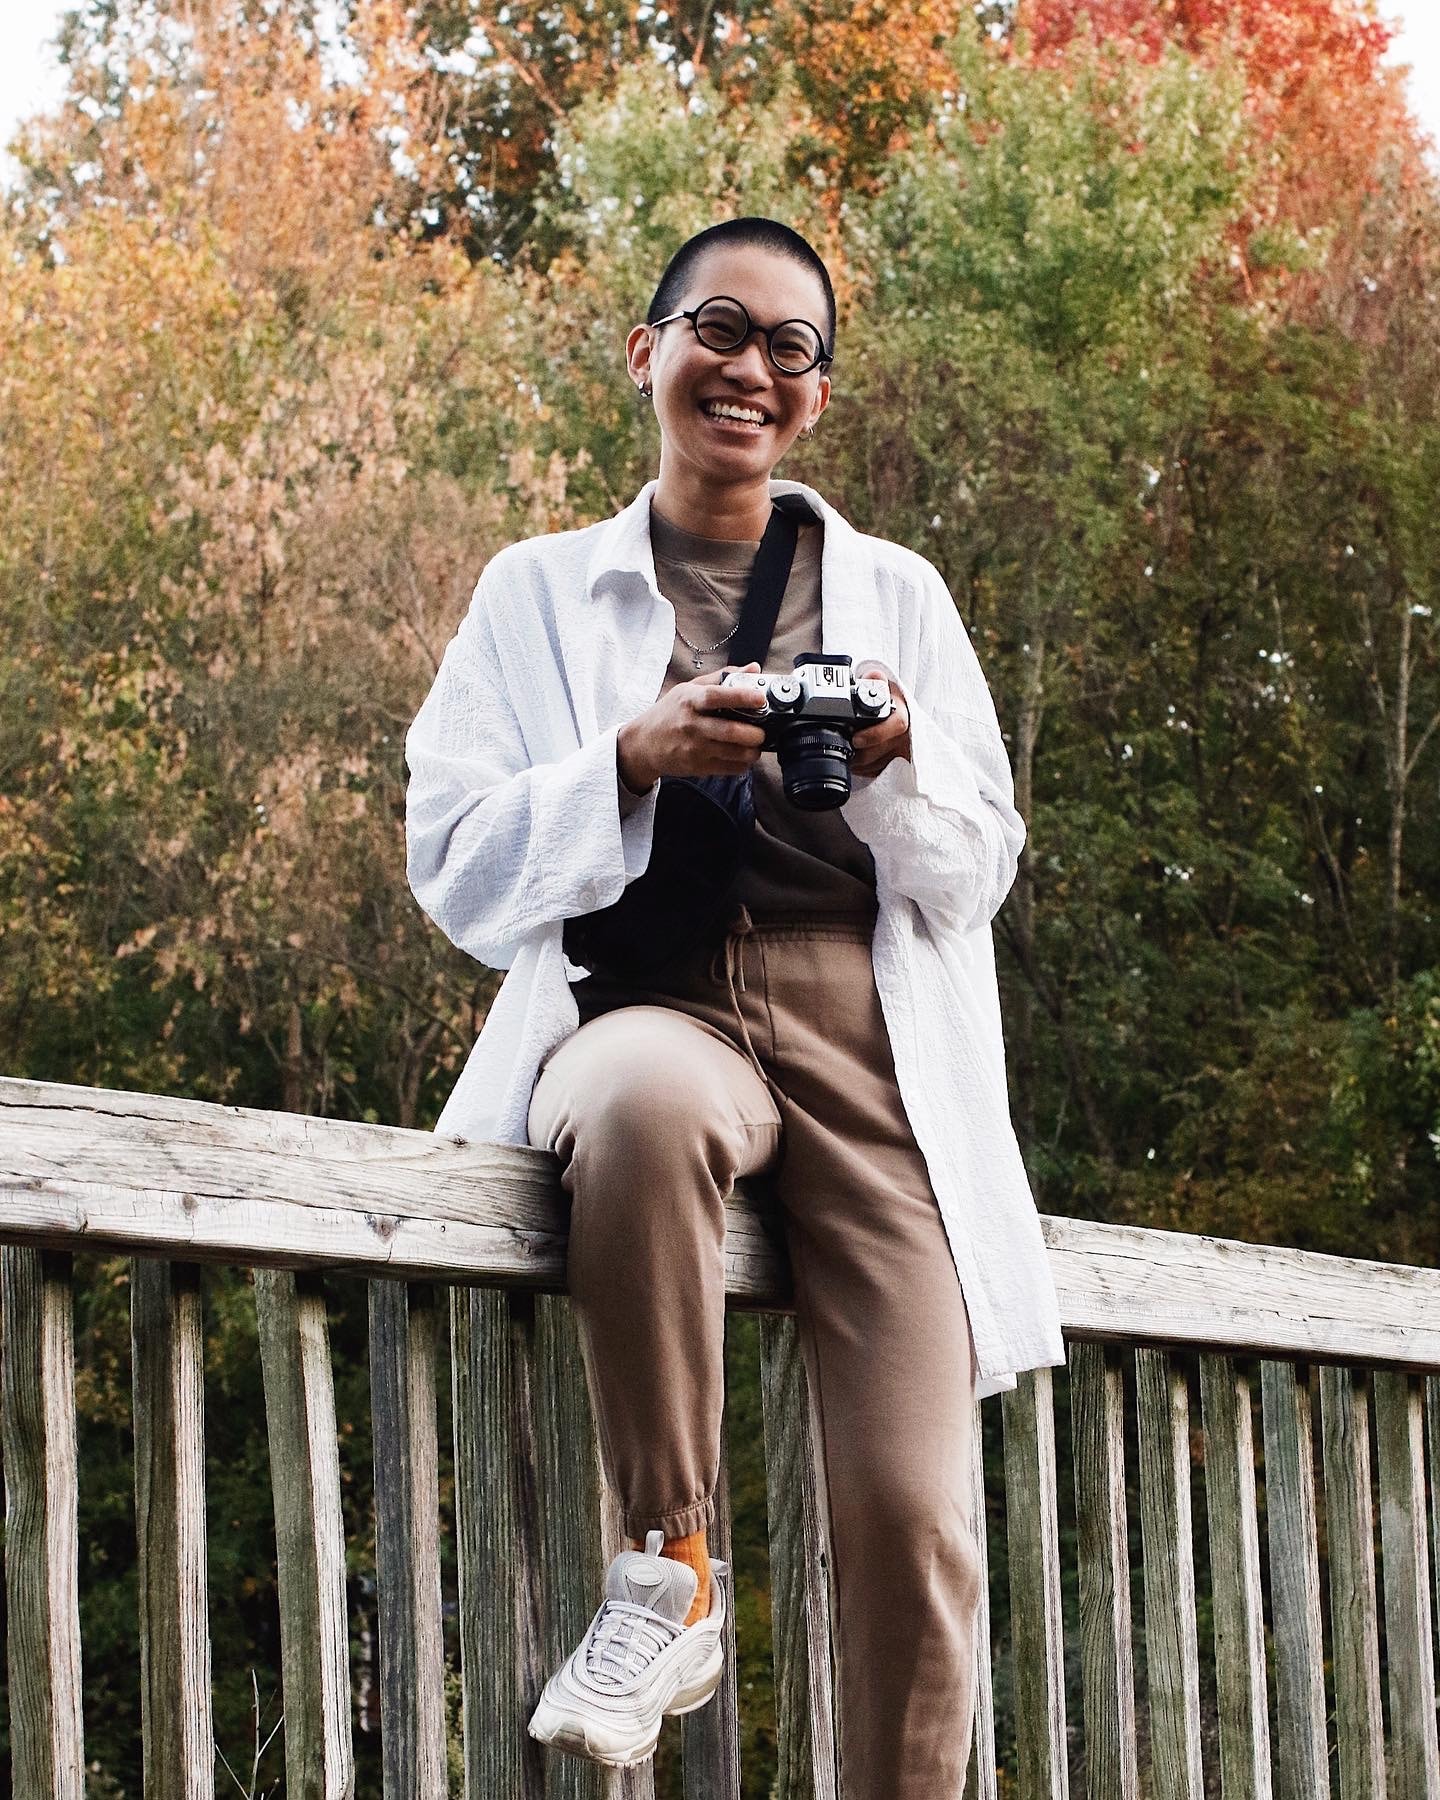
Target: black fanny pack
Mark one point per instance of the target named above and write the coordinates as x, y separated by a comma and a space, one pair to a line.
703, 823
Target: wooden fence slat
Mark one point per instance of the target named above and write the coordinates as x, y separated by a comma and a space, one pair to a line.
407, 1539
195, 1182
620, 1784
569, 1525
1237, 1596
1414, 1759
1032, 1535
1107, 1661
294, 1333
710, 1736
981, 1774
168, 1382
1172, 1655
579, 1534
1302, 1770
492, 1347
47, 1743
1354, 1609
1432, 1417
800, 1596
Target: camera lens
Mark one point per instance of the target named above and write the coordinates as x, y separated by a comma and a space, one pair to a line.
815, 766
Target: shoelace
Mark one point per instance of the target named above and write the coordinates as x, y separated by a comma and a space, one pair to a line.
623, 1639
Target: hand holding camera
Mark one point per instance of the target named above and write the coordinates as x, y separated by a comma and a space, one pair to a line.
878, 745
692, 729
810, 718
722, 721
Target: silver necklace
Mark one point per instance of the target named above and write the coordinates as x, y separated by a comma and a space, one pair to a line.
703, 650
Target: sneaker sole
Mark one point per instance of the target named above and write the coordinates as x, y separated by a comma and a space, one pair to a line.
564, 1731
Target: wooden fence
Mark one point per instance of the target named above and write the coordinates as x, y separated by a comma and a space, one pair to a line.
1302, 1631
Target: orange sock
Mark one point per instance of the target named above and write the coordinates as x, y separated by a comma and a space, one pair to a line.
694, 1551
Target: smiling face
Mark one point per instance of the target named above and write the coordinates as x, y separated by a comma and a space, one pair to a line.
727, 417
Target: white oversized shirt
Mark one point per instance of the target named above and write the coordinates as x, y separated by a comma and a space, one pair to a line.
513, 825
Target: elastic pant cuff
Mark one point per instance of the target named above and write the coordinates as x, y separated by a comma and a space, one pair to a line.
698, 1516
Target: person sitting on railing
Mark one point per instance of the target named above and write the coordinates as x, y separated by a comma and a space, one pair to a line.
726, 963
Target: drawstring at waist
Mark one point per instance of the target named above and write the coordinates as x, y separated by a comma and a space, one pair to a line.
729, 955
733, 952
740, 927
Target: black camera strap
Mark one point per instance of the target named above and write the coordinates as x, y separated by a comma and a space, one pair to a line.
768, 577
703, 823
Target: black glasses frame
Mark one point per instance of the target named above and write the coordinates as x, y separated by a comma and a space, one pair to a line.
822, 361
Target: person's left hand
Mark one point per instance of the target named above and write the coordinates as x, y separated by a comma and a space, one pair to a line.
878, 745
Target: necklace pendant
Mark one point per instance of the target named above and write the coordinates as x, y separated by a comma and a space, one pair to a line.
699, 661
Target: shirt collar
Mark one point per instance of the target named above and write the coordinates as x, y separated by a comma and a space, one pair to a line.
622, 544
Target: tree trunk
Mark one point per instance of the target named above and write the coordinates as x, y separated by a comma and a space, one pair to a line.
1021, 1020
292, 1071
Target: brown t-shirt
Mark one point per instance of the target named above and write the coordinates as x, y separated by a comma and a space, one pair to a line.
800, 862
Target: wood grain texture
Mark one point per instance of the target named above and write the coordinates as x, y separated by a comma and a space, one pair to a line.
1235, 1583
157, 1176
1133, 1285
407, 1539
1354, 1610
1302, 1769
580, 1532
148, 1174
1172, 1655
1107, 1661
637, 1783
1414, 1760
1432, 1435
294, 1332
165, 1177
498, 1546
1032, 1534
47, 1740
800, 1584
168, 1382
710, 1736
981, 1777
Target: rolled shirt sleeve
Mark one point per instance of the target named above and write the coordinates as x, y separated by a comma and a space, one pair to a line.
630, 803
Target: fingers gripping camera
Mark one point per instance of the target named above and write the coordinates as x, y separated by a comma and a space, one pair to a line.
810, 718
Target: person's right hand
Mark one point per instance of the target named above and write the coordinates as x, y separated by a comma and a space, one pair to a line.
683, 734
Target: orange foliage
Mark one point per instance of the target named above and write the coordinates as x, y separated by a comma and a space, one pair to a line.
229, 562
250, 146
869, 71
1319, 90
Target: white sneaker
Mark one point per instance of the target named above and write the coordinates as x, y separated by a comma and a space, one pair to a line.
637, 1663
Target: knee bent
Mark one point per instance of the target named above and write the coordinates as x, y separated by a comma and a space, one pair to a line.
645, 1118
915, 1532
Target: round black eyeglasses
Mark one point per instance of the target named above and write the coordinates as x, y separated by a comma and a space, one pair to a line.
794, 345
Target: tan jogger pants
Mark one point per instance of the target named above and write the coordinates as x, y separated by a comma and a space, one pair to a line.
772, 1057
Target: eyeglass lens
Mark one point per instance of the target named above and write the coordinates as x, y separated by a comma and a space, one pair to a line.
725, 325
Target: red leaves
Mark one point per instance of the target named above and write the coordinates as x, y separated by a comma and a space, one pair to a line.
1282, 41
1322, 99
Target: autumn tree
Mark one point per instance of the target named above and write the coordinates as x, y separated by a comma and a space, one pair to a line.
307, 311
1328, 113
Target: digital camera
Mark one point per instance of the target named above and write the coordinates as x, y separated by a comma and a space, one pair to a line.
809, 719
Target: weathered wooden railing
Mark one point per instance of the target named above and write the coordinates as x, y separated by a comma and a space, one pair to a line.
175, 1182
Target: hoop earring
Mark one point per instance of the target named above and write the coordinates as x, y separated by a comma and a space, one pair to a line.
645, 391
